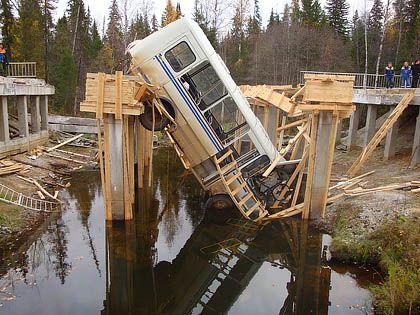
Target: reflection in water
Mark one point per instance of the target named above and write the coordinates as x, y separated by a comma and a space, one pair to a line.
173, 259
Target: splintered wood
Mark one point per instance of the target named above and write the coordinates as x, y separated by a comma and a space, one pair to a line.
117, 101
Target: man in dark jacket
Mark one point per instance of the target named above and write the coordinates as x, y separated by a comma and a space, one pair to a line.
416, 73
389, 75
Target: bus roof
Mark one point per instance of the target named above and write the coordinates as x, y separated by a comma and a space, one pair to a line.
145, 49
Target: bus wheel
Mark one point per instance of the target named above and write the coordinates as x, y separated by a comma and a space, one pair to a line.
219, 202
146, 119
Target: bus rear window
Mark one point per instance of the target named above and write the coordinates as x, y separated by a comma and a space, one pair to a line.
180, 56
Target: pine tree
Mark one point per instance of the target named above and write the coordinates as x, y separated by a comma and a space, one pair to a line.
114, 36
255, 23
155, 25
296, 12
30, 35
312, 13
203, 21
337, 12
357, 40
63, 68
286, 14
47, 7
7, 25
376, 16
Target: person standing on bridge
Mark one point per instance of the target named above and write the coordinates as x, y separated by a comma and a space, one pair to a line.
389, 76
405, 75
416, 73
3, 60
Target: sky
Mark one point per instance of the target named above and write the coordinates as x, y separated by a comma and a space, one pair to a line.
99, 8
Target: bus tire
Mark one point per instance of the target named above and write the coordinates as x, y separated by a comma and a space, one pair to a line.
219, 202
161, 122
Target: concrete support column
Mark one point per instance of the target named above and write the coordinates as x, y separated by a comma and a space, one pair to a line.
43, 106
338, 134
391, 139
325, 145
416, 143
370, 124
22, 105
354, 126
35, 114
114, 134
4, 120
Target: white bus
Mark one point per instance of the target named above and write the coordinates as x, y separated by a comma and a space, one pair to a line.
211, 113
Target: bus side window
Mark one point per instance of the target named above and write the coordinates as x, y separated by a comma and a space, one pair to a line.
180, 56
204, 85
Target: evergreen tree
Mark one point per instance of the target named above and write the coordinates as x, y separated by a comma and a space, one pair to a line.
286, 15
376, 16
30, 34
296, 12
203, 21
154, 22
7, 24
337, 12
255, 23
47, 7
357, 40
312, 13
114, 36
95, 45
63, 68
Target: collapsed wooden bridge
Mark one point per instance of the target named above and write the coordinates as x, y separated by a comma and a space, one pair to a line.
310, 117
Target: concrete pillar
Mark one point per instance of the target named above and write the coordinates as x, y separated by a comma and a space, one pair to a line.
44, 112
338, 134
391, 139
323, 160
370, 124
22, 105
416, 143
35, 114
115, 138
4, 120
354, 126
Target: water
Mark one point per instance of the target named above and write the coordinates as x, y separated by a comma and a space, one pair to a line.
175, 259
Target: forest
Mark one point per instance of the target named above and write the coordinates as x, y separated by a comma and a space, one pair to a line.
304, 36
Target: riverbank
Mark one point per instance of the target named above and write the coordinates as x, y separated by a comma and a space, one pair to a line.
380, 229
50, 170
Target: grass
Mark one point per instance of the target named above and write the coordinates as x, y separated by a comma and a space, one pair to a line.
395, 247
11, 217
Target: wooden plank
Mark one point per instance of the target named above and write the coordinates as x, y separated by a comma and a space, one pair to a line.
100, 99
118, 96
292, 124
131, 156
332, 91
128, 215
109, 108
140, 152
311, 165
330, 157
329, 77
381, 133
65, 142
151, 146
108, 215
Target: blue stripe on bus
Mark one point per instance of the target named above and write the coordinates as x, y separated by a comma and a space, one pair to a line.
190, 105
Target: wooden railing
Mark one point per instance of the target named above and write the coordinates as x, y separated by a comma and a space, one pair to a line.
22, 69
363, 81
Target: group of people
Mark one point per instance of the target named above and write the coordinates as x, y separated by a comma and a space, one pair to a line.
409, 75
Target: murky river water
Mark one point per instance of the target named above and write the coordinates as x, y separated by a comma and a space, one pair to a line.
175, 259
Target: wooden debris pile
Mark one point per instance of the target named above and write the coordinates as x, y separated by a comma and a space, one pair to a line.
357, 187
8, 167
